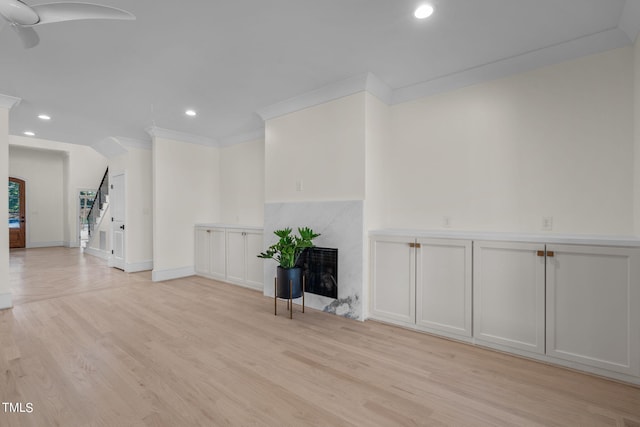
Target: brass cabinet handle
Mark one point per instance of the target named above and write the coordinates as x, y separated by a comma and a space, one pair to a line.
540, 253
412, 245
418, 245
550, 254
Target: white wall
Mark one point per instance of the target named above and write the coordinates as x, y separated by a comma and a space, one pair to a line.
636, 118
322, 146
83, 169
5, 293
242, 183
137, 167
186, 191
556, 142
42, 171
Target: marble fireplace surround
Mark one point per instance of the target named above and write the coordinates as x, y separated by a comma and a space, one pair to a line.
341, 225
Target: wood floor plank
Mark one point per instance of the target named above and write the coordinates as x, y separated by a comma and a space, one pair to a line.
90, 345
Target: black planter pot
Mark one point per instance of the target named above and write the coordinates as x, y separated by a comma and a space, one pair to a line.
286, 276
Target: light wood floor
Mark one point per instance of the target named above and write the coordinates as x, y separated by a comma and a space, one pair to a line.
93, 346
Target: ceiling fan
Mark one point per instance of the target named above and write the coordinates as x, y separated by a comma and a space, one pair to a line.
23, 17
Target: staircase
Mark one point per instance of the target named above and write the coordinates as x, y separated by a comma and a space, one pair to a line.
97, 244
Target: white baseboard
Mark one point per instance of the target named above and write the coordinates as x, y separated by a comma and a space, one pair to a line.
135, 267
5, 301
97, 253
172, 273
33, 245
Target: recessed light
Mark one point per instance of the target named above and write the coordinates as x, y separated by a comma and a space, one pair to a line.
191, 113
29, 133
44, 117
423, 12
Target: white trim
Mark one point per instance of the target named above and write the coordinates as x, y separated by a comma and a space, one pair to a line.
379, 89
9, 102
245, 137
33, 245
568, 239
135, 143
109, 147
174, 135
135, 267
5, 301
172, 273
630, 20
562, 52
97, 253
331, 92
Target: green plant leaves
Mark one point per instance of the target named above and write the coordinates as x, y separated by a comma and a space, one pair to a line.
289, 248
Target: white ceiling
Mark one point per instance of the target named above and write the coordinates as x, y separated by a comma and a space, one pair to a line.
230, 58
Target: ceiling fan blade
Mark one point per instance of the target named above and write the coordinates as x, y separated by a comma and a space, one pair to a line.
28, 36
17, 12
59, 12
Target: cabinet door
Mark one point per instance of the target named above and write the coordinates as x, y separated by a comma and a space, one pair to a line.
508, 295
393, 279
217, 255
254, 265
443, 286
593, 303
236, 254
202, 250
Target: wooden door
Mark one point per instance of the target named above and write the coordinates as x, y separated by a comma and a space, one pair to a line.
17, 221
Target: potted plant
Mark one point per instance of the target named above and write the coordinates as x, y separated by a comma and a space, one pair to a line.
286, 252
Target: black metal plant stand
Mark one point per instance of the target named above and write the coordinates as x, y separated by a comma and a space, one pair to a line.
289, 298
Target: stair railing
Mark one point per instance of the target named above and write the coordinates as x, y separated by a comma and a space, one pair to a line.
98, 201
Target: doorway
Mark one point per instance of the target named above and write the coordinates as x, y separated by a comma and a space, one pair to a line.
117, 202
17, 221
86, 198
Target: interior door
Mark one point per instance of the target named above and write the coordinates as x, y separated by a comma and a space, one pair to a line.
17, 221
117, 202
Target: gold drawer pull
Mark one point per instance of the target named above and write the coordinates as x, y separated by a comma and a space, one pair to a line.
540, 253
550, 254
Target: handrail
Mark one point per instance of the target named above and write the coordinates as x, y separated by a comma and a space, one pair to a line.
99, 200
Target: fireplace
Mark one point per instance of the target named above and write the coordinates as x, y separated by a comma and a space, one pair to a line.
320, 269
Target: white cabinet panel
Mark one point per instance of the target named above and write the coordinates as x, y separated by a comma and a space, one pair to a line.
593, 302
236, 256
202, 251
393, 279
217, 253
509, 295
443, 286
255, 266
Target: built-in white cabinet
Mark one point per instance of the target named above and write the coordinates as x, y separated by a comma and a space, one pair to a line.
210, 252
422, 283
593, 306
393, 289
569, 300
509, 294
229, 254
243, 265
443, 286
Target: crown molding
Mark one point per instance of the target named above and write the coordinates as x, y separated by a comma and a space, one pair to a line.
630, 19
340, 89
245, 137
174, 135
588, 45
135, 143
9, 102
